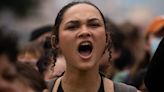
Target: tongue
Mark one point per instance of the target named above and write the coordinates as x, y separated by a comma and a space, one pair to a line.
85, 53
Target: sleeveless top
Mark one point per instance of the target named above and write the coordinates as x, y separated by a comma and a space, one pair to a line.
118, 87
101, 89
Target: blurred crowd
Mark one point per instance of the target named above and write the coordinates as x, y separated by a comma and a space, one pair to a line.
30, 67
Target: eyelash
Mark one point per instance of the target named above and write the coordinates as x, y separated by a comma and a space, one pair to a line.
94, 25
72, 27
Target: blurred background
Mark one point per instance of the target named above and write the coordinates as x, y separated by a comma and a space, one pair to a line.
136, 27
24, 16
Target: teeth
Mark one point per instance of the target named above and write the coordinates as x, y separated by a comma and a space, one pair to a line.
85, 49
85, 43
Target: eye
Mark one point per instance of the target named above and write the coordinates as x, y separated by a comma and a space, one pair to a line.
72, 25
94, 25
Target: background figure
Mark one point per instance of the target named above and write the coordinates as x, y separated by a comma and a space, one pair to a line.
40, 34
134, 38
36, 47
123, 65
31, 77
7, 59
10, 79
30, 54
135, 43
154, 33
154, 76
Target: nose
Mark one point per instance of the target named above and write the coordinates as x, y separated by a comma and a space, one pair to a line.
84, 33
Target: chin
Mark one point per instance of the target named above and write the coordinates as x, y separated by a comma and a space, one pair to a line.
86, 67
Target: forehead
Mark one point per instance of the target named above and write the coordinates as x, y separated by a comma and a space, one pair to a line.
82, 10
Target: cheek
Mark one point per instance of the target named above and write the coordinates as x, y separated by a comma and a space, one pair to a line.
63, 38
66, 41
101, 37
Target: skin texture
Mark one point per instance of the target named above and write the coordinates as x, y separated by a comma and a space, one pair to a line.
78, 27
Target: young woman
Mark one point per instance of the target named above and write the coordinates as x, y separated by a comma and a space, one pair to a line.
80, 34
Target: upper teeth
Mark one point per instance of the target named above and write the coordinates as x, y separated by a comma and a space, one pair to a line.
85, 43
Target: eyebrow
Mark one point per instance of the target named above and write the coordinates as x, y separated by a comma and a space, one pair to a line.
77, 21
72, 22
94, 19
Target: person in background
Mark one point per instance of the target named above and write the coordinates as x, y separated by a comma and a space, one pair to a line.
35, 48
154, 34
83, 39
154, 77
31, 77
30, 54
135, 42
10, 79
40, 34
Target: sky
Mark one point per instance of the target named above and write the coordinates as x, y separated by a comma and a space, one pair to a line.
140, 12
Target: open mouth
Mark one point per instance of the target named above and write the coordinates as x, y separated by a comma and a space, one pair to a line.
85, 48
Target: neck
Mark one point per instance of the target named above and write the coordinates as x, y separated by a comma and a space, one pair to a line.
81, 82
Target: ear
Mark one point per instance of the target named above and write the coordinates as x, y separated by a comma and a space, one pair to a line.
54, 42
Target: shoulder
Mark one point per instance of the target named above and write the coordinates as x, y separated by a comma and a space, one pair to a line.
53, 84
121, 87
118, 87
